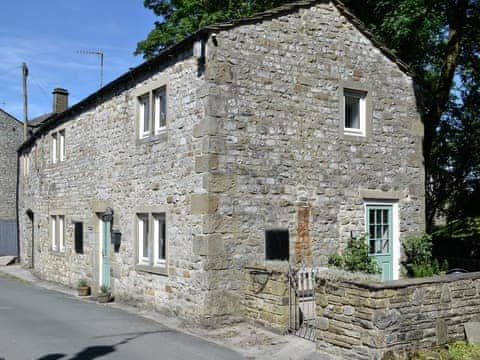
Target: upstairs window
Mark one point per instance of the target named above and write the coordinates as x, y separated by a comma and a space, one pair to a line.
144, 115
354, 112
152, 112
160, 109
58, 146
26, 164
54, 148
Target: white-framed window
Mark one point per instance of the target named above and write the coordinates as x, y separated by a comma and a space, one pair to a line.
144, 115
53, 232
54, 148
57, 232
152, 112
58, 146
61, 135
151, 240
355, 112
143, 240
160, 109
159, 243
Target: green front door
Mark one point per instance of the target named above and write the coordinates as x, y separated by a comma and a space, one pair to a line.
380, 237
105, 222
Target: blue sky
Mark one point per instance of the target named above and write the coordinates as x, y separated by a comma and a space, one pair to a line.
48, 34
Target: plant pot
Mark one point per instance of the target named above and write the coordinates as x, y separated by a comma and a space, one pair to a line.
83, 290
104, 298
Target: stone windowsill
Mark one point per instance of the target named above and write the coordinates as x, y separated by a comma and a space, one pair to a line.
160, 137
159, 270
57, 252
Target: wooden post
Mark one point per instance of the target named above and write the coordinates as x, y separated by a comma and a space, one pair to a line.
24, 89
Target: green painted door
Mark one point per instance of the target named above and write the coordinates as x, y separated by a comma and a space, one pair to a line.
380, 237
105, 270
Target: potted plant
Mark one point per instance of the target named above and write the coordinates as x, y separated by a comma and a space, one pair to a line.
104, 296
83, 288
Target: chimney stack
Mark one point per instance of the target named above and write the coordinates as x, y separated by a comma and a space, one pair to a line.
60, 100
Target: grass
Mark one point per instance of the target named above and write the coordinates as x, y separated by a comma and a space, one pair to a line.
460, 350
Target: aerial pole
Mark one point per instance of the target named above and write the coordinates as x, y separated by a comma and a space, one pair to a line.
98, 53
24, 91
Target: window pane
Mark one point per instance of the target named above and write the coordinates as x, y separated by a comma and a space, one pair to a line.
144, 114
352, 112
146, 248
372, 231
159, 237
54, 148
53, 231
372, 216
62, 145
160, 109
143, 248
61, 231
78, 237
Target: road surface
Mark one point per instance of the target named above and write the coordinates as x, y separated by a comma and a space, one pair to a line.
39, 324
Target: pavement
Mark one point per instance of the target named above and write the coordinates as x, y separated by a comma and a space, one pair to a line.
47, 321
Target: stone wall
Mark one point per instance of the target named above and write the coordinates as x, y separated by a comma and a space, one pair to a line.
365, 320
274, 134
106, 165
11, 137
266, 297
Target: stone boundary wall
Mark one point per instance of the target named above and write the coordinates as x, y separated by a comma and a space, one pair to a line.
266, 298
366, 320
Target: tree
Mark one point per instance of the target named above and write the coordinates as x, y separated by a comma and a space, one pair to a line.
439, 39
180, 18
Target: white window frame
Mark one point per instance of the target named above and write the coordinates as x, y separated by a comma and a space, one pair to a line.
158, 119
53, 232
362, 96
54, 147
61, 136
142, 220
61, 232
160, 115
57, 232
157, 260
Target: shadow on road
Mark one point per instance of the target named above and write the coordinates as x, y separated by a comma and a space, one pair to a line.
93, 352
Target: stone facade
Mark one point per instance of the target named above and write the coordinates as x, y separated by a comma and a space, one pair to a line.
254, 141
11, 137
368, 320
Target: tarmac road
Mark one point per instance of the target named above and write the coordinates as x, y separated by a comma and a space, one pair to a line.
39, 324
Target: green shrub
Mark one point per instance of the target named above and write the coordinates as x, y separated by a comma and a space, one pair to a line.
82, 283
104, 289
418, 257
356, 258
460, 350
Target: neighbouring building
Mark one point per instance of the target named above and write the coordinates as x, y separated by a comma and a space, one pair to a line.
265, 140
11, 137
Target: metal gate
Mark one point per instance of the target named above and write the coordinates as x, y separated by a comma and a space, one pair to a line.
8, 237
302, 308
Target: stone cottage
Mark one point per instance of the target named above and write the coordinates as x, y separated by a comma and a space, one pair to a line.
11, 137
264, 140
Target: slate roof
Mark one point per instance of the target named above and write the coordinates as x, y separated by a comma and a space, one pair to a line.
10, 116
167, 54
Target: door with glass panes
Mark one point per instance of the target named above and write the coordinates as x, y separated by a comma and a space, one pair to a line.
380, 237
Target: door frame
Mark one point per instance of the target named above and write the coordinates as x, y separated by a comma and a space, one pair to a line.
396, 251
